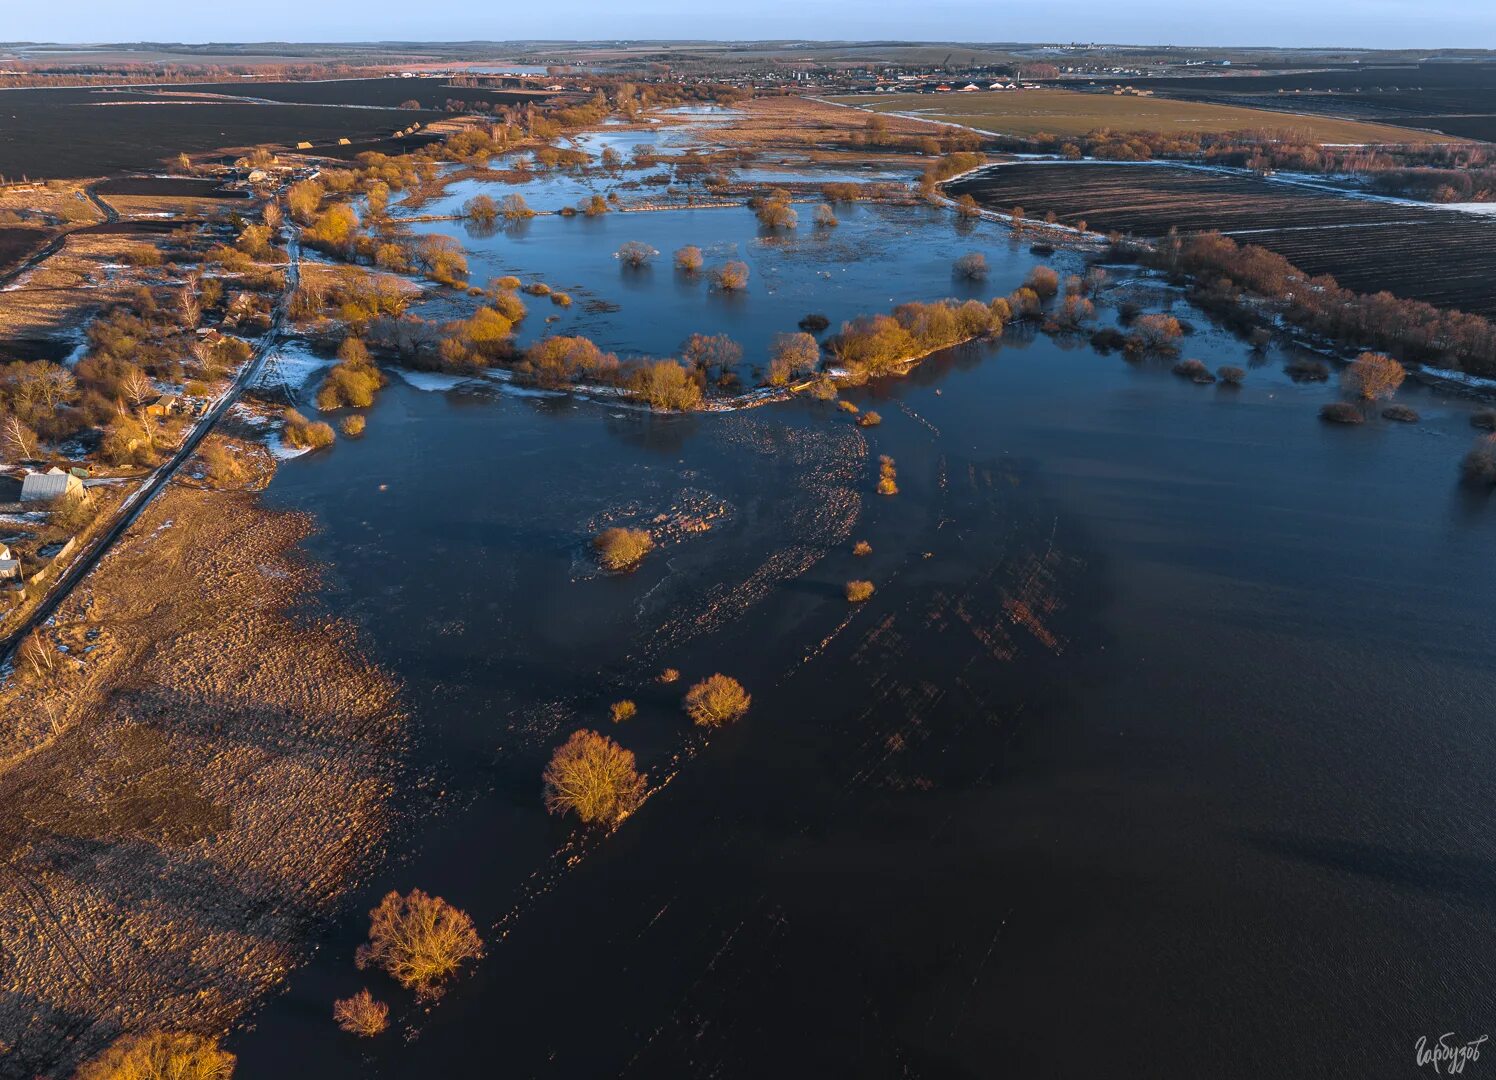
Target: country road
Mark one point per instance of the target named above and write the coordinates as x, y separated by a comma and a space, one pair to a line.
138, 500
54, 245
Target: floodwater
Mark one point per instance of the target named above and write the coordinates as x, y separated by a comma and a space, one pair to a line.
1162, 750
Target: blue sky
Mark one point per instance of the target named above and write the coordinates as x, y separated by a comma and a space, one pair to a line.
1366, 23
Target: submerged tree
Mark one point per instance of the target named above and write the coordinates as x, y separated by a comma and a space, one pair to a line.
622, 549
593, 777
361, 1014
420, 940
716, 701
635, 253
1372, 375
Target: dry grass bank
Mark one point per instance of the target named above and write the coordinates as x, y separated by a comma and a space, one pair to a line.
191, 778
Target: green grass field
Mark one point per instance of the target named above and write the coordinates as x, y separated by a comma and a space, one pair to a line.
1068, 112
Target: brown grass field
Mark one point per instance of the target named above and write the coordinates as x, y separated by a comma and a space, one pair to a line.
1068, 112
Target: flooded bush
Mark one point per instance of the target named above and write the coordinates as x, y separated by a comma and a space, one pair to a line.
514, 208
595, 206
420, 940
353, 426
482, 209
707, 351
731, 276
634, 253
775, 211
1479, 465
1231, 375
1485, 419
887, 476
841, 192
689, 259
1074, 313
862, 547
665, 384
814, 323
792, 355
304, 434
859, 591
669, 675
1043, 281
561, 299
620, 711
622, 549
847, 407
1307, 369
825, 217
1371, 376
869, 419
971, 267
161, 1055
823, 388
538, 288
561, 361
1194, 370
1154, 334
1024, 304
1402, 414
361, 1014
716, 701
593, 777
1341, 412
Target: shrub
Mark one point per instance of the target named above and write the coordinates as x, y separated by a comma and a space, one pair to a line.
862, 547
1371, 376
1485, 419
1044, 281
361, 1014
622, 710
305, 434
481, 208
160, 1055
635, 253
1154, 333
1231, 375
775, 212
716, 701
1194, 370
1107, 339
859, 591
791, 355
669, 675
1479, 464
1307, 369
1401, 413
353, 426
622, 549
222, 466
419, 940
1341, 412
887, 476
538, 288
688, 259
561, 299
731, 276
593, 777
869, 419
971, 267
665, 384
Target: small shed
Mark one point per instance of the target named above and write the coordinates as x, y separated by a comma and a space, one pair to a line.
52, 484
165, 405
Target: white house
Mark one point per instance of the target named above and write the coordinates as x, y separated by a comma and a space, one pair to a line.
52, 484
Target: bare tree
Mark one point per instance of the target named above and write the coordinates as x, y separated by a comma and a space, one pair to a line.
20, 441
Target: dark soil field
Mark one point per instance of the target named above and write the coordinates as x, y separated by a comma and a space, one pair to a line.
1457, 99
79, 132
1441, 256
388, 93
19, 243
183, 186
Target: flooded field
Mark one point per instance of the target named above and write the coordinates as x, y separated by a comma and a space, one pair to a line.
878, 257
1170, 698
